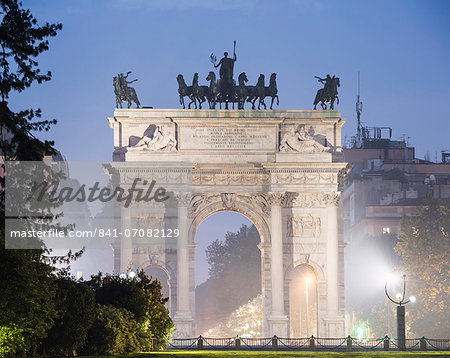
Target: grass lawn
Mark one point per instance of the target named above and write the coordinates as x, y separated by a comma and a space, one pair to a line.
270, 354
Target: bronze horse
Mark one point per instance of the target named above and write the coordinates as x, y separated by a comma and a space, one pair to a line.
200, 93
272, 90
248, 93
127, 94
329, 97
260, 93
185, 91
237, 94
213, 90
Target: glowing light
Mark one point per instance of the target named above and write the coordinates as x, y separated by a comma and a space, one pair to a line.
412, 299
123, 276
393, 278
360, 332
399, 296
308, 280
132, 274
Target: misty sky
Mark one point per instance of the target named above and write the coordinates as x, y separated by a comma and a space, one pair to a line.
401, 48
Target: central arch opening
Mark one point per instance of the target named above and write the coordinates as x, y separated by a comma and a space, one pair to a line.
228, 279
303, 298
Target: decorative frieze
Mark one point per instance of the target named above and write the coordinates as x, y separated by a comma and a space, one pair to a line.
230, 178
316, 200
303, 178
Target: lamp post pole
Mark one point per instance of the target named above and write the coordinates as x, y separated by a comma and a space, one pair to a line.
400, 302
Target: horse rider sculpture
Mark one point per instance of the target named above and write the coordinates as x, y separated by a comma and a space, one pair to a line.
329, 92
123, 92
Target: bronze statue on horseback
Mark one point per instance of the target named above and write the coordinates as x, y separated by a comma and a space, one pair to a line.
123, 92
329, 93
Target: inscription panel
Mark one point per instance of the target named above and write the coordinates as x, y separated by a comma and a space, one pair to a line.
228, 138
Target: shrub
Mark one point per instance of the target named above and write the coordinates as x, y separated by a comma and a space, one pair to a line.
11, 340
76, 313
142, 297
115, 331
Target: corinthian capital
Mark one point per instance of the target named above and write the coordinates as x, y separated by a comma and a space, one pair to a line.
288, 199
183, 199
332, 199
276, 198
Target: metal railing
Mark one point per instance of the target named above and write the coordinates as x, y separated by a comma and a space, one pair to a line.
311, 343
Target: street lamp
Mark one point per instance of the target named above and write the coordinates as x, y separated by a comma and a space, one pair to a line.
400, 302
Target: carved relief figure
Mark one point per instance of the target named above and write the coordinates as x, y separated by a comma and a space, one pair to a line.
300, 141
162, 139
304, 226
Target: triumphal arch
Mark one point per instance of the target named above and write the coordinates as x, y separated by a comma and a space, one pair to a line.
283, 169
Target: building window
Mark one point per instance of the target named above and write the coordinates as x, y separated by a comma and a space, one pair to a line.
386, 230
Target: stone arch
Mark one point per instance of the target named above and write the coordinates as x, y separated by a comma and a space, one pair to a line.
240, 207
157, 263
312, 265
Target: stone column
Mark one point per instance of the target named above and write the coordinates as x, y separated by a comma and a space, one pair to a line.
278, 319
126, 247
183, 317
334, 321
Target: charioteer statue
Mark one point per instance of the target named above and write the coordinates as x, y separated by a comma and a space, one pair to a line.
226, 82
123, 92
329, 92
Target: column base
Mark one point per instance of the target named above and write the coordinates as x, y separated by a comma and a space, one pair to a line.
335, 327
278, 325
184, 324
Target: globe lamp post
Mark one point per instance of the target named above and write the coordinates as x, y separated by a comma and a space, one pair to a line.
400, 301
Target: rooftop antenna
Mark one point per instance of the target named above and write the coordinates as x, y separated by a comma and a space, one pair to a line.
358, 116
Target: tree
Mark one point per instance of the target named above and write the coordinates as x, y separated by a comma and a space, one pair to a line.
141, 296
158, 320
21, 41
27, 290
76, 313
26, 281
115, 331
423, 246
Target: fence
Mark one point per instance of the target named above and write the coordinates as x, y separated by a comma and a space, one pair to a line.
311, 343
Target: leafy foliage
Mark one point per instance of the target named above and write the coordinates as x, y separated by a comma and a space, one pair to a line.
120, 293
76, 313
142, 297
423, 246
158, 320
27, 288
11, 340
21, 41
115, 331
